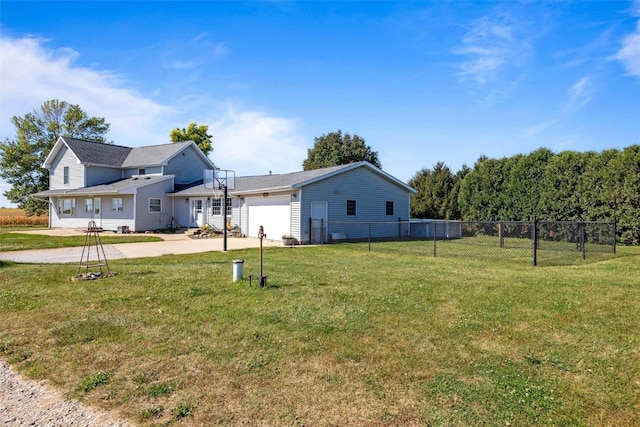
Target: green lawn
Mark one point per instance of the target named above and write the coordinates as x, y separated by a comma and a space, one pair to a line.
341, 336
16, 241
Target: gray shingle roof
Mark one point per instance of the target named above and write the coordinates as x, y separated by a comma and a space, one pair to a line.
153, 155
283, 181
116, 187
97, 153
90, 152
288, 181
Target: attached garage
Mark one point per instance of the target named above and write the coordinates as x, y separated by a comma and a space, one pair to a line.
290, 204
272, 212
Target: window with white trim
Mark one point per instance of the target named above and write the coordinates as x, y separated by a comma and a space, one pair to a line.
389, 208
216, 207
65, 179
351, 208
155, 205
116, 204
88, 205
67, 206
228, 206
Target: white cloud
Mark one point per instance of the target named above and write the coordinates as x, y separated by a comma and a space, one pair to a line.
492, 44
253, 143
629, 54
579, 94
31, 74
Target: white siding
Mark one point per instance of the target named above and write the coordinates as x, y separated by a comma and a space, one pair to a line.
110, 220
296, 206
128, 173
65, 158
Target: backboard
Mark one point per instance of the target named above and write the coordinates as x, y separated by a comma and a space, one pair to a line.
218, 179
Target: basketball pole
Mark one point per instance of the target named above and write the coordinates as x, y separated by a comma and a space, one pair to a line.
224, 225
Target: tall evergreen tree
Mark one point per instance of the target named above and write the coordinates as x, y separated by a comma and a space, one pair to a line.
434, 188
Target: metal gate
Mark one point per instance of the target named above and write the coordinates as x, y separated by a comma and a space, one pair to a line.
318, 230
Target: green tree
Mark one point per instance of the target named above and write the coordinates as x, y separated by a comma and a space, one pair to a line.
560, 198
624, 194
334, 149
196, 133
523, 185
433, 197
36, 133
482, 194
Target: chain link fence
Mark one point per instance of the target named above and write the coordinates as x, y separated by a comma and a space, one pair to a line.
533, 242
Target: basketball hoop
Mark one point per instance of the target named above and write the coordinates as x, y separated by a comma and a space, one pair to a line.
220, 181
217, 193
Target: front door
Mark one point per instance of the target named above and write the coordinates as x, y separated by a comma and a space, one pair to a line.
197, 217
97, 211
319, 214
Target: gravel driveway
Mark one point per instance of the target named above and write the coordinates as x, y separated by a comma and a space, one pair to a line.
29, 403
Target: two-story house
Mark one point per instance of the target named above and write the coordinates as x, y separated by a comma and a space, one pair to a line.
161, 186
116, 186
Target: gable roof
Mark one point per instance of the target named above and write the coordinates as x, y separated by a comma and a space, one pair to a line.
110, 155
89, 152
154, 155
290, 181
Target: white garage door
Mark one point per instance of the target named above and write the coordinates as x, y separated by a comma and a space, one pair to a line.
273, 213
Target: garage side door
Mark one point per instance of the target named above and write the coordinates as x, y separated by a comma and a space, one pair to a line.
273, 213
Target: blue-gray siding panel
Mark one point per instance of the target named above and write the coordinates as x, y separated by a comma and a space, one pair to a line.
370, 191
97, 175
186, 166
146, 220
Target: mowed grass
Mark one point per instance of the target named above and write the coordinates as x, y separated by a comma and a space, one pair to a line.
341, 336
16, 241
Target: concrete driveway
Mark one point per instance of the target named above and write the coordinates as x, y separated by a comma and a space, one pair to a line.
176, 244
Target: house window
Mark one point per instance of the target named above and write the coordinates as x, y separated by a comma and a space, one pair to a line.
65, 178
142, 171
88, 205
216, 205
389, 207
155, 205
116, 204
67, 206
351, 208
96, 205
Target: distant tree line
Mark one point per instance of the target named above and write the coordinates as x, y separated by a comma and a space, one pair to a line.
568, 186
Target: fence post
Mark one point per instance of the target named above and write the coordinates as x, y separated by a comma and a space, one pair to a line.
534, 239
583, 246
435, 231
369, 237
613, 236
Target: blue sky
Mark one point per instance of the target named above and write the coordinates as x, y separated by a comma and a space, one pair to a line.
420, 81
